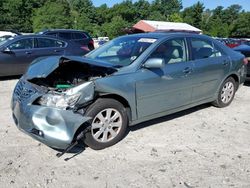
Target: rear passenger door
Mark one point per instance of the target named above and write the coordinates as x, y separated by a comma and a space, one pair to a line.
49, 47
210, 66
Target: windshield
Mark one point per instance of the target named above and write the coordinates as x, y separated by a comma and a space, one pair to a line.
122, 51
5, 39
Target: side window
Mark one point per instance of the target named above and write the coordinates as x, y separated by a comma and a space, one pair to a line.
172, 51
65, 35
202, 49
21, 44
49, 43
78, 36
217, 51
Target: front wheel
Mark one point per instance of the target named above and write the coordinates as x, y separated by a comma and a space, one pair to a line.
108, 124
226, 93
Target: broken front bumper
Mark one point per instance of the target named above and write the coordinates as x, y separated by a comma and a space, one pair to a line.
51, 126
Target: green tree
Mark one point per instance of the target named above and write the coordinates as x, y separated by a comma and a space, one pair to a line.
193, 15
231, 14
3, 15
142, 8
218, 28
241, 27
176, 17
206, 17
157, 16
54, 14
115, 27
167, 7
101, 14
126, 10
17, 14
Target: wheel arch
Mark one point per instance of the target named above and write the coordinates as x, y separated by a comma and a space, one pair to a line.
236, 78
119, 98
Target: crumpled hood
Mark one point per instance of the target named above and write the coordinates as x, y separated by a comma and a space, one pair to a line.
42, 67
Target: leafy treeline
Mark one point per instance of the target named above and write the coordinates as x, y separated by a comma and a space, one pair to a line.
36, 15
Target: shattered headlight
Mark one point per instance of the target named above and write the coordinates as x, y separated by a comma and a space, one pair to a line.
59, 101
79, 94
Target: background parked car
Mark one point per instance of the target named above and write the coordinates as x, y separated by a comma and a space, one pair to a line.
245, 50
9, 33
77, 36
16, 53
233, 42
5, 37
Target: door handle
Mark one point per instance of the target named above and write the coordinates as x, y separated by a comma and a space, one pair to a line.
28, 53
187, 70
56, 50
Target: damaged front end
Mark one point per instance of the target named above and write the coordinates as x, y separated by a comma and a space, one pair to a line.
49, 101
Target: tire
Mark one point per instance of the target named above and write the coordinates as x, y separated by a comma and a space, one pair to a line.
226, 93
108, 124
91, 47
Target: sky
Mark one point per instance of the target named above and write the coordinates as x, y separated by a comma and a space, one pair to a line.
211, 4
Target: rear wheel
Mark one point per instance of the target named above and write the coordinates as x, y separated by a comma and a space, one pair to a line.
91, 47
226, 93
108, 124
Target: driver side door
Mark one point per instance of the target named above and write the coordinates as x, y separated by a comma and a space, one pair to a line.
16, 57
161, 89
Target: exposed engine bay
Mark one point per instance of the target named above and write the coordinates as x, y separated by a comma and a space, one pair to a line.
71, 73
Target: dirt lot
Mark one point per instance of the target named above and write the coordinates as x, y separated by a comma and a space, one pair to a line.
201, 147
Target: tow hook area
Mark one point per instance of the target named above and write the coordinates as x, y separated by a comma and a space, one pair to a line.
74, 143
37, 132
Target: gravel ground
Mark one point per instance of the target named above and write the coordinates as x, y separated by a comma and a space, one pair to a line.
201, 147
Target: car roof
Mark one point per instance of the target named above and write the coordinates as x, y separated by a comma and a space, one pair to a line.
62, 30
38, 36
159, 35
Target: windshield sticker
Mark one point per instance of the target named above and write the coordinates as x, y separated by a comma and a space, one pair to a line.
147, 40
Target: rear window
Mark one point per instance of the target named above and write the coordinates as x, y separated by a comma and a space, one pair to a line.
78, 36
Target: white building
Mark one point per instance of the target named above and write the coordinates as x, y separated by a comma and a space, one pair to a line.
159, 26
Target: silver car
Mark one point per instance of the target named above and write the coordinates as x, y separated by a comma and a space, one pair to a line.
131, 79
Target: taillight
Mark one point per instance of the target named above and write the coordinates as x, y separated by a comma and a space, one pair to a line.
85, 48
245, 61
91, 45
91, 42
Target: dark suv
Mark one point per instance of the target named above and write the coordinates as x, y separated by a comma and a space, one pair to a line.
77, 36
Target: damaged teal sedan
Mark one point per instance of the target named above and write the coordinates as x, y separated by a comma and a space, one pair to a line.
62, 100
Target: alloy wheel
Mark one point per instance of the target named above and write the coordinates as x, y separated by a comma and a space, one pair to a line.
227, 92
106, 125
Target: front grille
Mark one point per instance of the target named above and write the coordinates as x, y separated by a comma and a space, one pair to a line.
23, 91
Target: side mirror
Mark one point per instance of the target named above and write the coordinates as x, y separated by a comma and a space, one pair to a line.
7, 51
154, 63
